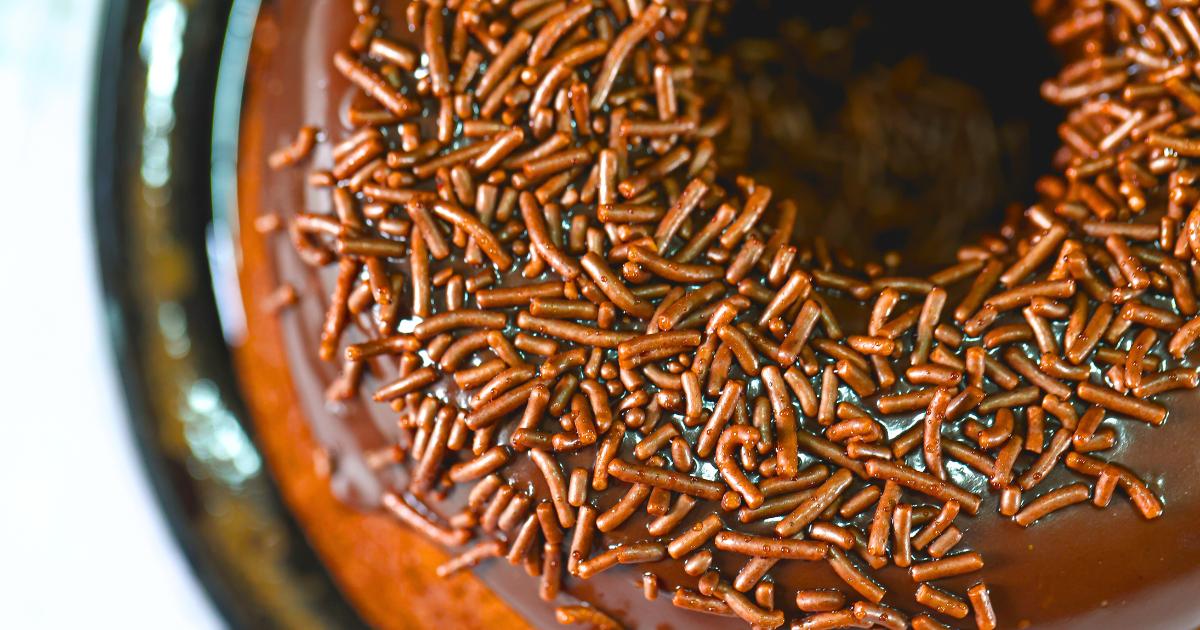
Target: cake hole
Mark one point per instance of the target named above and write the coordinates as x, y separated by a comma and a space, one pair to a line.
894, 128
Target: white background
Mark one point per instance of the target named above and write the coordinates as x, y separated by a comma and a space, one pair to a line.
82, 544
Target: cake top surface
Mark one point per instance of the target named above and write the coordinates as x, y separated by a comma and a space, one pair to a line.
569, 337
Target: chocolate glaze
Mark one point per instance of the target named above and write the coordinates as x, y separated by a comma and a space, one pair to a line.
1080, 568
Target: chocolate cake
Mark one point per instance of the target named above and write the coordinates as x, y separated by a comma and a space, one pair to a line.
505, 296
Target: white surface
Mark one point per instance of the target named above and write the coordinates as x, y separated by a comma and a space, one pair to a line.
82, 544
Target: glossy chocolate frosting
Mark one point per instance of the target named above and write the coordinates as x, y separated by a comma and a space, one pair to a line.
1080, 568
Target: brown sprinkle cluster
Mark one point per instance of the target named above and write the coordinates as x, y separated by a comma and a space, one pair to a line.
530, 211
